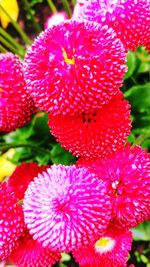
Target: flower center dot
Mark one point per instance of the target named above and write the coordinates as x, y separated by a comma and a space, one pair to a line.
104, 245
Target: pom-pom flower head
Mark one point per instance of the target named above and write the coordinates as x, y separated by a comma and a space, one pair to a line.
95, 134
78, 73
127, 173
66, 207
16, 106
22, 176
130, 19
110, 250
11, 221
30, 253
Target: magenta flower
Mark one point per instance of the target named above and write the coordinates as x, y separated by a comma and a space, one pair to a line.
96, 133
110, 250
130, 19
66, 207
30, 253
74, 67
16, 106
127, 173
11, 221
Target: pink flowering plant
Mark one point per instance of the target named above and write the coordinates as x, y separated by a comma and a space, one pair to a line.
74, 125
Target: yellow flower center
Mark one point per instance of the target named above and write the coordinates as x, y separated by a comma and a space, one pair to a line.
104, 245
69, 61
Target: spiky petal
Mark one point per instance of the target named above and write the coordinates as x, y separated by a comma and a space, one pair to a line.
30, 253
130, 19
127, 173
78, 73
95, 134
66, 207
16, 106
11, 221
22, 176
110, 250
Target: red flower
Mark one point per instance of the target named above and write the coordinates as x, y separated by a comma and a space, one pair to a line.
96, 133
30, 253
130, 19
66, 208
110, 250
11, 221
16, 106
22, 176
127, 173
74, 67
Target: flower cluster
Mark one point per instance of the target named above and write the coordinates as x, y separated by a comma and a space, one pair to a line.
74, 71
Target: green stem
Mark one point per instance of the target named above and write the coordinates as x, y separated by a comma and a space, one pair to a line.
67, 8
17, 27
9, 46
73, 2
12, 41
35, 24
52, 6
141, 138
2, 49
33, 147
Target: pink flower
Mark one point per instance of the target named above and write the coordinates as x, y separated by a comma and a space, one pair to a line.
22, 176
31, 253
16, 106
110, 250
78, 9
96, 133
130, 19
127, 173
55, 19
66, 207
11, 221
74, 67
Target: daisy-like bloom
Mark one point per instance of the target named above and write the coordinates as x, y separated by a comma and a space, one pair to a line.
66, 207
55, 19
11, 221
127, 173
110, 250
74, 67
22, 176
16, 106
96, 133
30, 253
130, 19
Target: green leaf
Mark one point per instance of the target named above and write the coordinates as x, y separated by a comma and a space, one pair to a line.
40, 127
144, 258
142, 232
144, 67
139, 98
65, 257
61, 156
20, 134
131, 63
131, 138
43, 159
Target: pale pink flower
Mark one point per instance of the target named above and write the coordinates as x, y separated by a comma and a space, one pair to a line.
66, 207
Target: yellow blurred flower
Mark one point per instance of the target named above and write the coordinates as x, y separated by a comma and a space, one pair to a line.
6, 167
11, 6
